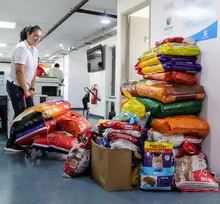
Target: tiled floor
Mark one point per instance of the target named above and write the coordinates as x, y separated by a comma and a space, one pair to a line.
23, 181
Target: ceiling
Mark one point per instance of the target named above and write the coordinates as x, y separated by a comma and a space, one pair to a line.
46, 13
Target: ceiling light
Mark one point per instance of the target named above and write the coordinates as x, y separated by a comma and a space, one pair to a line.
47, 55
3, 44
61, 45
4, 24
1, 54
105, 21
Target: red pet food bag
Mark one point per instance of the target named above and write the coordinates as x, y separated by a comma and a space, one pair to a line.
117, 136
58, 141
191, 171
78, 159
73, 123
27, 136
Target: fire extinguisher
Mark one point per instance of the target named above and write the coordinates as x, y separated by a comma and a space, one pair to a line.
94, 92
94, 96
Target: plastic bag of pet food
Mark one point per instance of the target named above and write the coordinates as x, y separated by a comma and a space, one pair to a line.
173, 77
157, 170
118, 126
169, 40
179, 49
128, 132
73, 123
46, 110
133, 106
126, 117
191, 171
187, 125
177, 140
58, 141
167, 92
161, 110
78, 159
123, 144
117, 136
27, 135
130, 87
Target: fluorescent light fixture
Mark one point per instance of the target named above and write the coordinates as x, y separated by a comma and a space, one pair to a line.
61, 45
98, 52
52, 57
105, 21
47, 55
1, 54
10, 25
3, 44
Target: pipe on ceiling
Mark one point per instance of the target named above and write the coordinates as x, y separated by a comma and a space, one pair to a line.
96, 13
72, 11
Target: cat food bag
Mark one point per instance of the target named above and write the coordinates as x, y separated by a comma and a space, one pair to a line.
191, 171
78, 159
157, 170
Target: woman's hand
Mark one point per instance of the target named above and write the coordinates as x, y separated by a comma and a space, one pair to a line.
32, 93
27, 94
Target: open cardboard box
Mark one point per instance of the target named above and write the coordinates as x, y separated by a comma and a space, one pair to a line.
112, 169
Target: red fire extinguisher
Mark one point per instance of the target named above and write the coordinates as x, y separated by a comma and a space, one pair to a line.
94, 96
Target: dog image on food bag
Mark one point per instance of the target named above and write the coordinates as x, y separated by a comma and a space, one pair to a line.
149, 181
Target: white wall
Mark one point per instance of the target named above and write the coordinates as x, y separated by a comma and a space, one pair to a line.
78, 77
100, 78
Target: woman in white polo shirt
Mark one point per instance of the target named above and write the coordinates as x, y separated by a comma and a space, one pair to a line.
21, 80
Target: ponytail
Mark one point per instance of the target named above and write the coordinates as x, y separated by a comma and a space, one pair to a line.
30, 29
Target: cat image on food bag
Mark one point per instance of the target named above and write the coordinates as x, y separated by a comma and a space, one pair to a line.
184, 170
157, 161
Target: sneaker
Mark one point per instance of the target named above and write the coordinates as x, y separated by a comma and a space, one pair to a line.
13, 148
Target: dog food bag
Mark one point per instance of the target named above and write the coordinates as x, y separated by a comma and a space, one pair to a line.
167, 92
177, 140
168, 40
179, 49
157, 170
191, 171
118, 126
73, 123
187, 125
128, 132
49, 109
123, 144
133, 106
161, 110
173, 77
117, 136
78, 159
28, 134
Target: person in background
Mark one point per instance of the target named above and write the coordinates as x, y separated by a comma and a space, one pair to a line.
21, 80
56, 72
40, 70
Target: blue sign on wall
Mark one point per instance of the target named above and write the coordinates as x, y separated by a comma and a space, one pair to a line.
208, 33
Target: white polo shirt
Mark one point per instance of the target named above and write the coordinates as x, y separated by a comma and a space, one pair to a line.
24, 54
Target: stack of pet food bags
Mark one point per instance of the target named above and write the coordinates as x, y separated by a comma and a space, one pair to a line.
124, 131
169, 91
38, 120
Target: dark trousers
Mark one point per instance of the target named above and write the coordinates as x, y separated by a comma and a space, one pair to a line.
19, 104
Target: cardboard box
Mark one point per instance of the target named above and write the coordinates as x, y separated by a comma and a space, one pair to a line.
112, 169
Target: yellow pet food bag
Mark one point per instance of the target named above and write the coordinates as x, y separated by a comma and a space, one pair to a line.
150, 62
133, 106
153, 69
